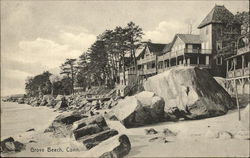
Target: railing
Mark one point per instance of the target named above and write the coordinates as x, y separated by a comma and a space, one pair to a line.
243, 50
150, 71
206, 51
146, 59
181, 52
164, 57
239, 72
201, 66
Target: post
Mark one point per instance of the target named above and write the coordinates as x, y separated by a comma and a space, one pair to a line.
227, 69
237, 100
198, 60
156, 64
243, 63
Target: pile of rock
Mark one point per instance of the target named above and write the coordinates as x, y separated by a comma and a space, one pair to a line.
141, 109
89, 131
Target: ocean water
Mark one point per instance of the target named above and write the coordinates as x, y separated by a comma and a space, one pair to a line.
17, 118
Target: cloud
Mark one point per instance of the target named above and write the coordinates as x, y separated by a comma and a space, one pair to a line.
35, 56
165, 31
81, 41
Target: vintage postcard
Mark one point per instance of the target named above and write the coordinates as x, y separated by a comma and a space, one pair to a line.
127, 78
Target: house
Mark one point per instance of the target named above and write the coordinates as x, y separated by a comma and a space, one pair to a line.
147, 61
238, 69
186, 50
207, 50
213, 30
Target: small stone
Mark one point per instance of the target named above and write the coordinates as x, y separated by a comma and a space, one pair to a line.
225, 135
168, 132
32, 129
150, 131
158, 139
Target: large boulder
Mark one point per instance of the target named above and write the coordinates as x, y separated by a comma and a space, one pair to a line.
87, 130
137, 111
95, 139
117, 146
98, 119
62, 103
59, 97
10, 145
62, 124
191, 90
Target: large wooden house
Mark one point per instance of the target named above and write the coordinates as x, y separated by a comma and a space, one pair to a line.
238, 69
205, 50
213, 30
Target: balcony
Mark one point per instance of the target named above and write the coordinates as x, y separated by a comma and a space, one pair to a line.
147, 71
243, 50
147, 59
206, 51
150, 71
170, 55
239, 73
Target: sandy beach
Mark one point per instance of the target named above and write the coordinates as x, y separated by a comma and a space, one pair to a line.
191, 139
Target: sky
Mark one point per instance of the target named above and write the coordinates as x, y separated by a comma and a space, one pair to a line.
39, 35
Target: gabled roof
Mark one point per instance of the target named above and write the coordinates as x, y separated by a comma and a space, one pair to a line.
189, 38
167, 47
219, 14
155, 48
186, 38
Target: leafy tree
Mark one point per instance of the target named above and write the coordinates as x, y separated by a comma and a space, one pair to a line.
54, 79
134, 37
98, 62
70, 69
38, 85
82, 76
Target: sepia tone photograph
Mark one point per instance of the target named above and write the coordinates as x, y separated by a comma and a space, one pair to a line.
129, 78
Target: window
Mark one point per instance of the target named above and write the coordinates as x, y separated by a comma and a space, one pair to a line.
218, 45
219, 61
207, 60
153, 65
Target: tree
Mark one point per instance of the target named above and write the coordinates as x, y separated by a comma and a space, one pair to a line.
243, 19
82, 76
70, 69
134, 37
54, 79
38, 85
98, 62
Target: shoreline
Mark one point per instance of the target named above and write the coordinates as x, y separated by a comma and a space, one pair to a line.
191, 135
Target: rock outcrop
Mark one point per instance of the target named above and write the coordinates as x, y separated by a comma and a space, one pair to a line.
137, 111
62, 124
192, 90
89, 131
121, 149
62, 103
116, 147
95, 139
